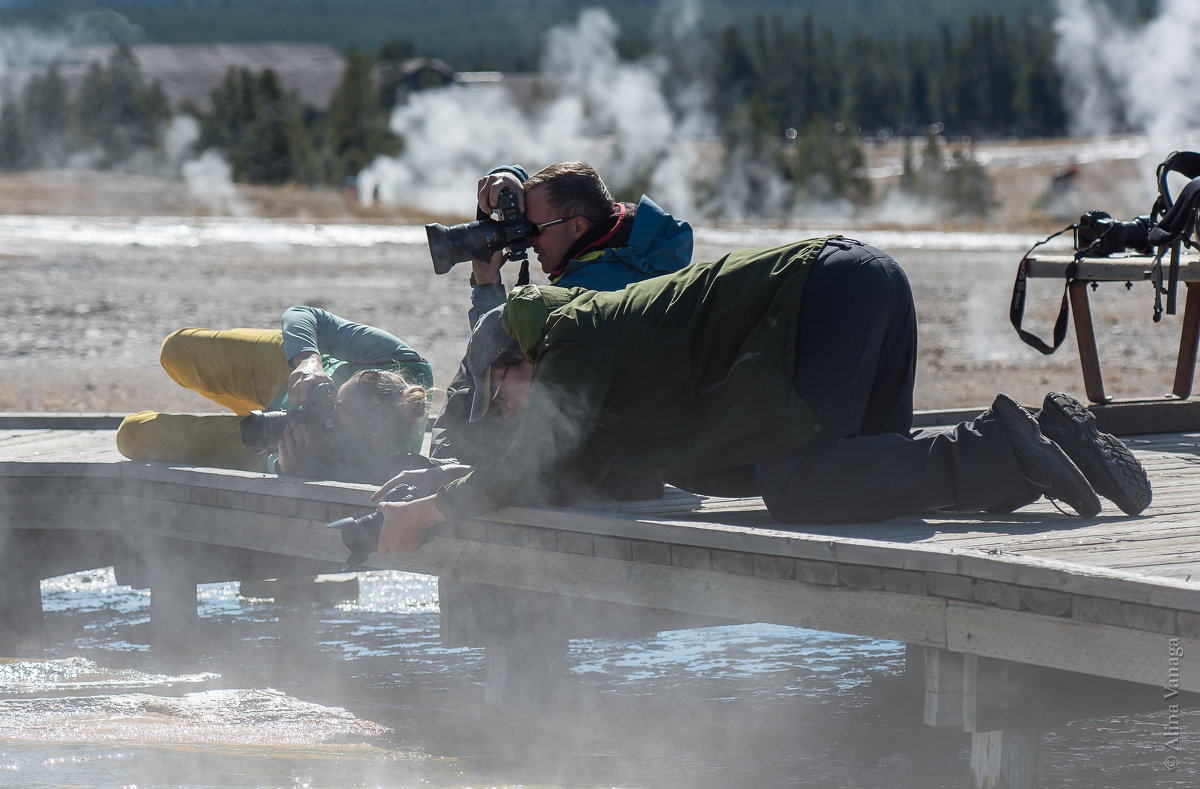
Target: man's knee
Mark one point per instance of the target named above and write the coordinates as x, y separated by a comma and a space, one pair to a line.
812, 506
783, 483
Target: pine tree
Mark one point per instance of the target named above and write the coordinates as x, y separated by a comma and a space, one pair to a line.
356, 125
828, 163
16, 147
260, 128
390, 62
969, 190
47, 112
234, 103
116, 112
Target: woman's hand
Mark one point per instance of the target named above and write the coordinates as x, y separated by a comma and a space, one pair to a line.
296, 457
405, 523
307, 372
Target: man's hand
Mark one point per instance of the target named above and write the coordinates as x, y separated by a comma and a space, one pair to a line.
490, 187
307, 372
404, 524
487, 271
425, 480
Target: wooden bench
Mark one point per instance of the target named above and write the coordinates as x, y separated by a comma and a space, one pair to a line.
1122, 269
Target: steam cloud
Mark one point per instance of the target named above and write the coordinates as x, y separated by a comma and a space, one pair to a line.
1117, 76
622, 117
611, 113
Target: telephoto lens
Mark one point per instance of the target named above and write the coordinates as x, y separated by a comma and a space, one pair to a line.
449, 246
361, 535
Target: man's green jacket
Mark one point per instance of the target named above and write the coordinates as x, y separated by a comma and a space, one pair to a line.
676, 376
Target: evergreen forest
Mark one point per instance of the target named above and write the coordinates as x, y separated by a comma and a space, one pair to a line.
800, 92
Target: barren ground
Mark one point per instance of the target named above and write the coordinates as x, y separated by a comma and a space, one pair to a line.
82, 322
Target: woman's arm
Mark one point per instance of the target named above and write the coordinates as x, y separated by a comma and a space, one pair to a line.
311, 330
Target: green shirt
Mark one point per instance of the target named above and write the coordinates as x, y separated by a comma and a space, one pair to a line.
675, 376
346, 348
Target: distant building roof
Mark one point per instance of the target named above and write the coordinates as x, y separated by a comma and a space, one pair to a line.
191, 71
398, 77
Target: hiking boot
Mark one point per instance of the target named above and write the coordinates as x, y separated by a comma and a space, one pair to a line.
1046, 467
1111, 468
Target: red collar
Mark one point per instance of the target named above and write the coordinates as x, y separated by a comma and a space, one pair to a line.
618, 215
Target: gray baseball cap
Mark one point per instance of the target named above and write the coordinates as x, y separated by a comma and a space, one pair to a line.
489, 344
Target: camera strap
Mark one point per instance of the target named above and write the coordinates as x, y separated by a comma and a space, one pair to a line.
1016, 307
1170, 216
1175, 222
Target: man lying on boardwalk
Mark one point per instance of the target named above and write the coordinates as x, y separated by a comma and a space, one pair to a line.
784, 372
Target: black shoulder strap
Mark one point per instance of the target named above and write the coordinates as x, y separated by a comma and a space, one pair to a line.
1174, 222
1170, 216
1016, 307
1186, 163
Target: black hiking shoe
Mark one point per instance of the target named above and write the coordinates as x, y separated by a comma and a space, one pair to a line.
1112, 469
1045, 466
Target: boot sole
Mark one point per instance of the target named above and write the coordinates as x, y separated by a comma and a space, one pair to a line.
1068, 484
1112, 469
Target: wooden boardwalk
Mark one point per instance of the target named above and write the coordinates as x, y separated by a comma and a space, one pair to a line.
1116, 598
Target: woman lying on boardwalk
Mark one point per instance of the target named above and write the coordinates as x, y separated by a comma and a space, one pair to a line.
785, 372
376, 411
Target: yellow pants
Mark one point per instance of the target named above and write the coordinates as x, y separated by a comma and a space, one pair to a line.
241, 369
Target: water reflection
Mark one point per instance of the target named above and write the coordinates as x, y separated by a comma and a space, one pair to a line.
363, 694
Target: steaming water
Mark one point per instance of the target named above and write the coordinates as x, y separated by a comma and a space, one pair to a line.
361, 693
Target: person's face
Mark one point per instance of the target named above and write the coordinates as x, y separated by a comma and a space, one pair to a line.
351, 422
551, 244
510, 387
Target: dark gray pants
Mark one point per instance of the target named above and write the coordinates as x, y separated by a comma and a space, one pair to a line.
856, 352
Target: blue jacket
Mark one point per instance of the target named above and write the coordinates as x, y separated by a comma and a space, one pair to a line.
657, 243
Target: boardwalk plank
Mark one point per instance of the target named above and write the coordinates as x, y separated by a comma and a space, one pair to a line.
1090, 648
1130, 560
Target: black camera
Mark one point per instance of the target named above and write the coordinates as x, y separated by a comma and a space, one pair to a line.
459, 243
1099, 235
361, 535
262, 430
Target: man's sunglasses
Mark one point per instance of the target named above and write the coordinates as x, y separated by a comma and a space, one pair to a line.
537, 229
496, 396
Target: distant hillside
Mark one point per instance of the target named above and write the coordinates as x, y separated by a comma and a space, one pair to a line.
486, 34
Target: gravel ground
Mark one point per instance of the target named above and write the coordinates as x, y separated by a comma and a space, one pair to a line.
83, 319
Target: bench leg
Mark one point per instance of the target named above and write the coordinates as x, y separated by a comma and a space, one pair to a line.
1085, 338
1185, 368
